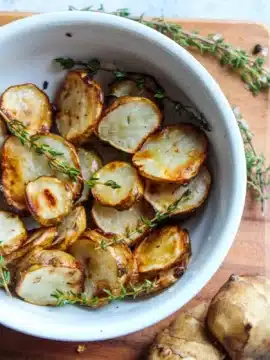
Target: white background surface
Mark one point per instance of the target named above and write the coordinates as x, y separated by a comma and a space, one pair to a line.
254, 10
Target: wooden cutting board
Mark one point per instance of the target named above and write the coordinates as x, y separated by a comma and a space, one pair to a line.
251, 250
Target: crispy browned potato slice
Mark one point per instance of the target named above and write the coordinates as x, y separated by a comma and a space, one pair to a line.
39, 256
13, 232
163, 279
162, 195
71, 228
173, 154
90, 163
128, 122
162, 249
123, 223
37, 284
79, 105
21, 165
108, 268
130, 185
49, 200
187, 338
128, 87
28, 104
45, 271
42, 238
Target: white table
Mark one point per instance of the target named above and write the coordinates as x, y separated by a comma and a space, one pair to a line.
254, 10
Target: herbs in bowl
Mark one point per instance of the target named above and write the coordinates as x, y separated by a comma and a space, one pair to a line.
134, 244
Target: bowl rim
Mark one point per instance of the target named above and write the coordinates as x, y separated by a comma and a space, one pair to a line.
238, 198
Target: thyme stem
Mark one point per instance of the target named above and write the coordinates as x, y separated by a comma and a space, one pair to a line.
257, 172
149, 224
81, 299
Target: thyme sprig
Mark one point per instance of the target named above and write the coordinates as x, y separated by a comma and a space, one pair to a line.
81, 299
258, 174
142, 81
4, 274
252, 71
18, 129
149, 223
94, 180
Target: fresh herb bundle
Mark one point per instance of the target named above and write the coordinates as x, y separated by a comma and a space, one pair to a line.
81, 299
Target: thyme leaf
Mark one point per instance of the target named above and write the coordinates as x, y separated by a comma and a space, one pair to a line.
66, 63
112, 184
94, 180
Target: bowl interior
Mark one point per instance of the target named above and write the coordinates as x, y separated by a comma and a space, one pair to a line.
28, 53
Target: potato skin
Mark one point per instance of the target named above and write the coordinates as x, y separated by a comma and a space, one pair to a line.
94, 103
239, 317
23, 106
186, 338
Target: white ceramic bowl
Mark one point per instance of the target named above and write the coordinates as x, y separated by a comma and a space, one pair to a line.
28, 47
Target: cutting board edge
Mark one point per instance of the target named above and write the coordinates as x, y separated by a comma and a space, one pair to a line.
22, 14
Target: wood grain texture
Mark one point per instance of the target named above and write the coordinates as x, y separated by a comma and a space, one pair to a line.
251, 250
